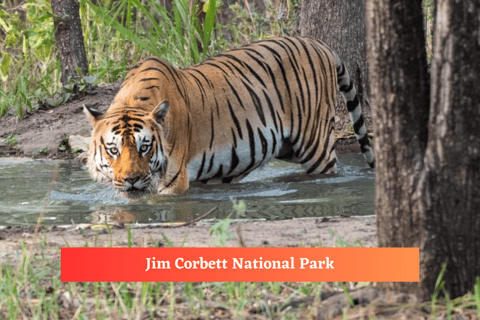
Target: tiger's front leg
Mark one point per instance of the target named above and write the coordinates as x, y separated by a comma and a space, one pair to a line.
175, 182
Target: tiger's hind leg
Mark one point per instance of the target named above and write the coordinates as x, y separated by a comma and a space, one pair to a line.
316, 154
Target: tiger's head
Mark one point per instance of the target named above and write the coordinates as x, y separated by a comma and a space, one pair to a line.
128, 147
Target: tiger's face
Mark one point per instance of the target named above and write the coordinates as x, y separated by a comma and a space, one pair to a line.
128, 148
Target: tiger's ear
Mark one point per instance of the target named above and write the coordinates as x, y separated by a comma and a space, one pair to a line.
160, 112
92, 114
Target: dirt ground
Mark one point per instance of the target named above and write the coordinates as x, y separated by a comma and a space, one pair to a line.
303, 232
45, 129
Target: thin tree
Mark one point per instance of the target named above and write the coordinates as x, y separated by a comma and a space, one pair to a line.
69, 38
427, 137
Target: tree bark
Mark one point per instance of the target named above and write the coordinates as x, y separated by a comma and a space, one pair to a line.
427, 147
69, 37
452, 162
341, 25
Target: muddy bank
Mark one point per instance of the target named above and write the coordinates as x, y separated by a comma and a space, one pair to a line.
43, 132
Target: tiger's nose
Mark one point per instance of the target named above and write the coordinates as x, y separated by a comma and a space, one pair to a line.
132, 180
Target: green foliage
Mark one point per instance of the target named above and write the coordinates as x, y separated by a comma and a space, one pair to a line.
279, 19
477, 295
28, 57
11, 140
221, 232
44, 150
173, 36
117, 34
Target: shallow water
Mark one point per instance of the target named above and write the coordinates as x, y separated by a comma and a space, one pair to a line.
277, 191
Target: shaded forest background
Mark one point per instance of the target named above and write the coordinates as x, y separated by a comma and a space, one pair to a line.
118, 33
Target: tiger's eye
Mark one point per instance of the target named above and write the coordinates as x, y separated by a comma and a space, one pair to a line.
143, 148
113, 150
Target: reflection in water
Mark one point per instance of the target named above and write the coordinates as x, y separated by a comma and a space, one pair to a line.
113, 216
278, 191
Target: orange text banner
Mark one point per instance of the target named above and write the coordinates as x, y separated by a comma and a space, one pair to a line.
239, 264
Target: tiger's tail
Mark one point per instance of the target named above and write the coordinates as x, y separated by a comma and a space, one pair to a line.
354, 108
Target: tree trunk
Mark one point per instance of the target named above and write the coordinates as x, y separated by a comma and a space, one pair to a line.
69, 37
341, 25
452, 162
427, 148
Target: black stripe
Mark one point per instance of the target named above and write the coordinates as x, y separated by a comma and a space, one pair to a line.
234, 138
322, 156
251, 139
340, 71
235, 120
274, 81
293, 42
272, 111
219, 172
212, 128
172, 72
329, 165
274, 141
269, 48
257, 104
357, 125
317, 145
149, 79
159, 61
174, 142
227, 179
235, 93
346, 88
235, 161
245, 65
281, 126
352, 105
230, 63
264, 144
203, 76
364, 142
299, 127
176, 176
210, 166
218, 67
228, 67
308, 120
201, 167
202, 90
284, 75
312, 67
252, 50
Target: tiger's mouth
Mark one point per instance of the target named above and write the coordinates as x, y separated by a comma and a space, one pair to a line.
133, 192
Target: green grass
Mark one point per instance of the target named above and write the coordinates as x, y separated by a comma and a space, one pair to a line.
30, 69
117, 34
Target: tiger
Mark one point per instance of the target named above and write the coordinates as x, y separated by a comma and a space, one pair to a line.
224, 117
